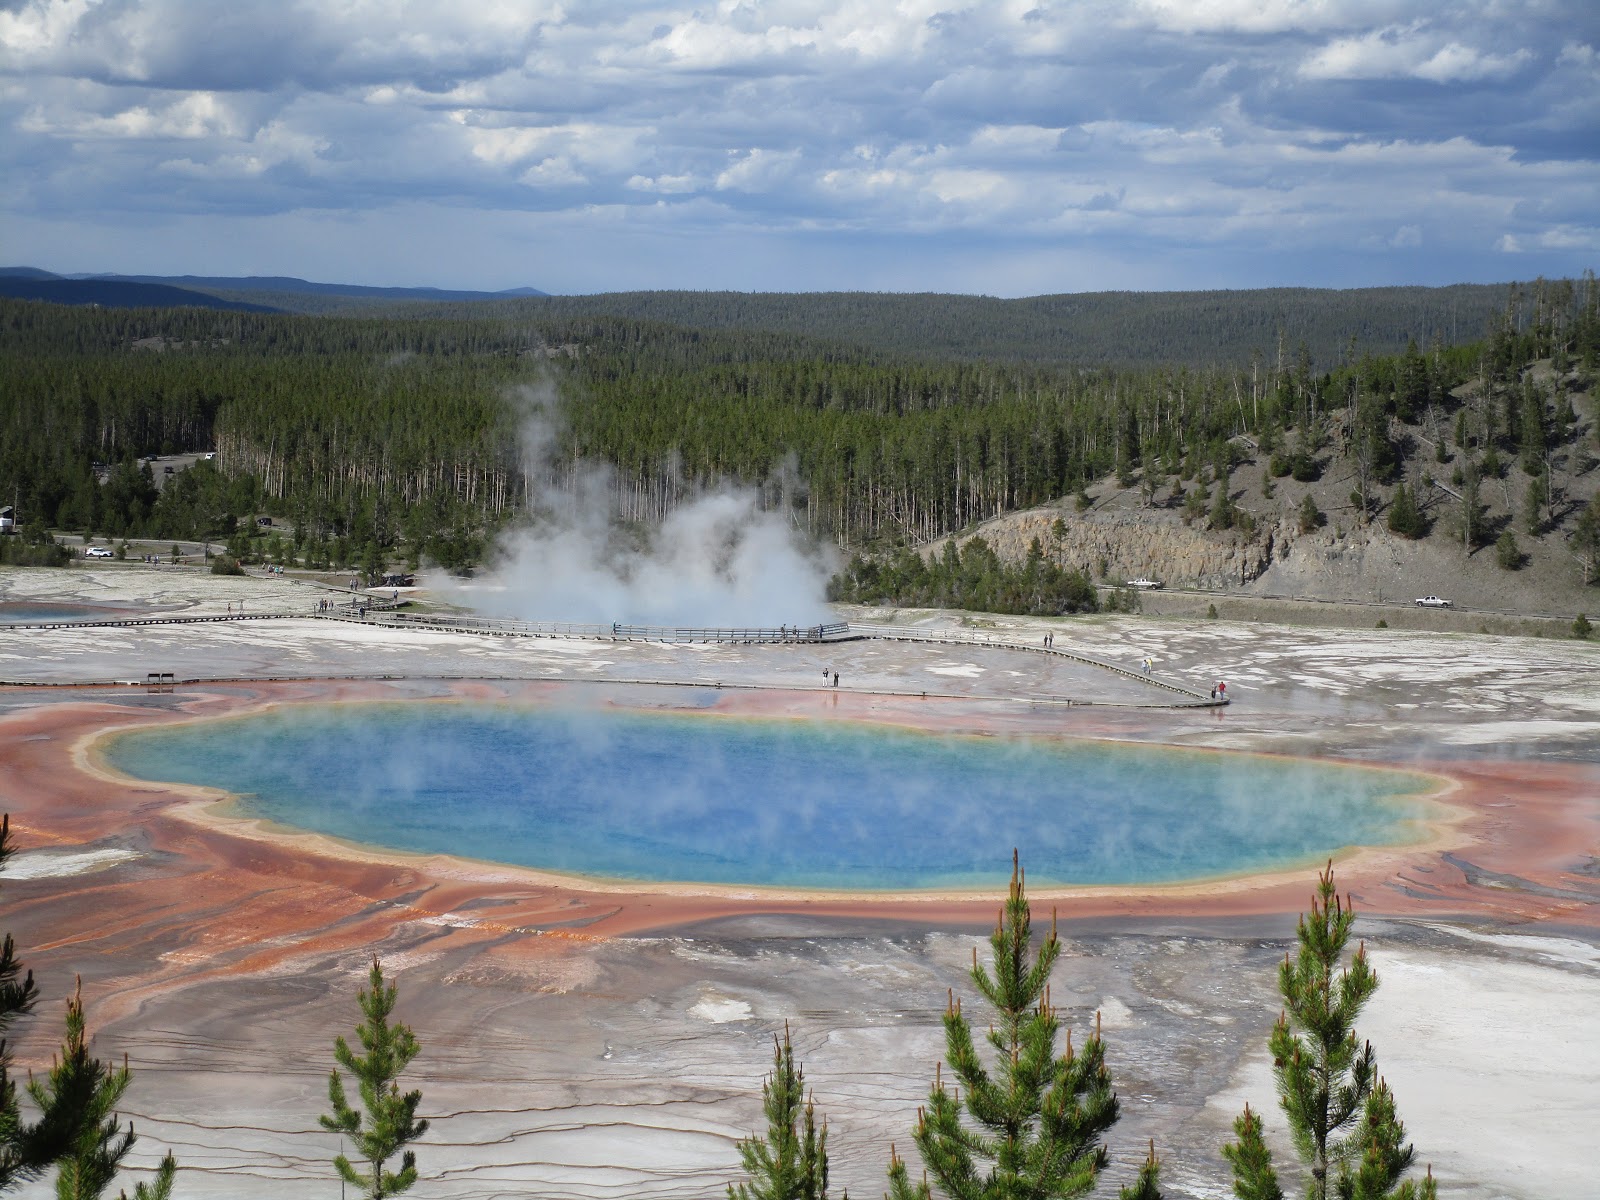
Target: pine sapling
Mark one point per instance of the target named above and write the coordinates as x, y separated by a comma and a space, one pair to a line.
1148, 1185
791, 1162
28, 1149
1029, 1128
88, 1089
159, 1188
19, 1159
1342, 1117
1253, 1176
390, 1120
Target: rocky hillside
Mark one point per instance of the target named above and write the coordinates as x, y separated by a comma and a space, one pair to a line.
1267, 545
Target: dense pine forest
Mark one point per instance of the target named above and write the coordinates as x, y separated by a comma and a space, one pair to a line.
1217, 328
403, 436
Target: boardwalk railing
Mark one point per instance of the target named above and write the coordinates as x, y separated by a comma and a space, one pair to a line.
838, 632
367, 612
973, 637
670, 634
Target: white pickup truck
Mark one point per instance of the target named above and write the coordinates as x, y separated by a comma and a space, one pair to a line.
1433, 602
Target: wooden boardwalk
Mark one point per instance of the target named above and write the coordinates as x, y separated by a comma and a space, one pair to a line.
382, 614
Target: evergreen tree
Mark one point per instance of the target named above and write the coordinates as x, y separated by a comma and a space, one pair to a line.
1507, 553
18, 1159
391, 1118
1148, 1185
1253, 1175
160, 1188
791, 1163
89, 1162
1534, 503
27, 1149
1341, 1115
1223, 513
1585, 540
1405, 517
1311, 517
1035, 1121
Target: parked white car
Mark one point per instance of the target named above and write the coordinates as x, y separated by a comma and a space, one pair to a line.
1433, 602
99, 552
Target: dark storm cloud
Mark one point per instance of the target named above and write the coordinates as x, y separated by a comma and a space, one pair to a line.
1148, 143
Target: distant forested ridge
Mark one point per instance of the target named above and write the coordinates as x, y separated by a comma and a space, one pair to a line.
246, 293
1222, 328
1217, 328
119, 293
403, 433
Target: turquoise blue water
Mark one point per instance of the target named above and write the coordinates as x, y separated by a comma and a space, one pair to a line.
26, 612
781, 803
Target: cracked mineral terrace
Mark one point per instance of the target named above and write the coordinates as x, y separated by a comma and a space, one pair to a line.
590, 1042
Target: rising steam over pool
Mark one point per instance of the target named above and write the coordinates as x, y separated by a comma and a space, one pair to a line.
810, 804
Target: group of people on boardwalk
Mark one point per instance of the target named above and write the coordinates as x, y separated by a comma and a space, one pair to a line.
825, 673
1049, 641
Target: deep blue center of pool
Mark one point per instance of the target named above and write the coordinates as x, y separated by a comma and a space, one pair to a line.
817, 804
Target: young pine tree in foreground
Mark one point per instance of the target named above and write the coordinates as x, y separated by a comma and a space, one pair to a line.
1035, 1121
1341, 1115
27, 1149
391, 1118
791, 1163
17, 996
89, 1162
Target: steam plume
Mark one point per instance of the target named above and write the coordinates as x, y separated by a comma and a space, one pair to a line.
718, 558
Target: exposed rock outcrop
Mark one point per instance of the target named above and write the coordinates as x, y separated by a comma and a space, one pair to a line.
1130, 544
1363, 564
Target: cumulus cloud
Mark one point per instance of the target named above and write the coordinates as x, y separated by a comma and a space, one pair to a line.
1101, 135
758, 169
1257, 16
191, 116
1409, 51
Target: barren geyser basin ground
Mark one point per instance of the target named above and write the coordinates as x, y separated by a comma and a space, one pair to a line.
586, 1038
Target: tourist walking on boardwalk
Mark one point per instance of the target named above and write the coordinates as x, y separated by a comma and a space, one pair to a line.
824, 676
836, 679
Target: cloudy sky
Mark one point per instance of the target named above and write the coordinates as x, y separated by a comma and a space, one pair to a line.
1005, 148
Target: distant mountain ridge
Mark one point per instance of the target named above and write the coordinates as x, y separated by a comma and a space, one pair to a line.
29, 283
296, 286
256, 293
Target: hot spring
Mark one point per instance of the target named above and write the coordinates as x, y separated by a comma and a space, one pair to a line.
683, 797
31, 612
